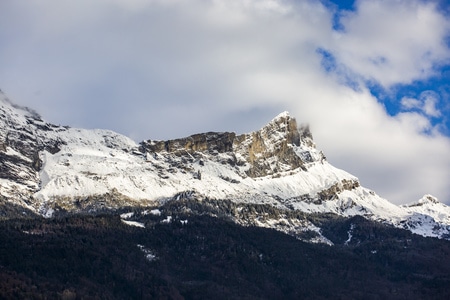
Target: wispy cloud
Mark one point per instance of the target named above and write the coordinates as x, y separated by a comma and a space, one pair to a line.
427, 104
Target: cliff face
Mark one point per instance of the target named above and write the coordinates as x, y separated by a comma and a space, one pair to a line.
20, 143
267, 151
210, 142
271, 149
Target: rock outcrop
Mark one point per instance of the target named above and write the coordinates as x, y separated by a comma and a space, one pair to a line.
210, 142
267, 151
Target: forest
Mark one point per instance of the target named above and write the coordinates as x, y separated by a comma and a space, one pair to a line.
205, 257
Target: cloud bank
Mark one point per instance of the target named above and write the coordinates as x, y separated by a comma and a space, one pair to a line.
166, 69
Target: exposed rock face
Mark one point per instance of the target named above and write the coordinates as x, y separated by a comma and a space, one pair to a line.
210, 142
267, 151
271, 149
333, 191
19, 150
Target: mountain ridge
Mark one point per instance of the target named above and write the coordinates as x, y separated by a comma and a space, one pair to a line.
50, 169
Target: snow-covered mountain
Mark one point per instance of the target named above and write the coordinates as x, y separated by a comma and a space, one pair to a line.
49, 169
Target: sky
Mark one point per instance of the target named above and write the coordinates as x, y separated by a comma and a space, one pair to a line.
370, 77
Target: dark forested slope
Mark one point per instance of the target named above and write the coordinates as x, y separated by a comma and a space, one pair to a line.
202, 257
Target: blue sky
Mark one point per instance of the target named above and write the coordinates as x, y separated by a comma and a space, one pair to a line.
436, 86
371, 77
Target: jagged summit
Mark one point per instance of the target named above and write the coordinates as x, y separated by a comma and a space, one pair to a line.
283, 115
51, 169
269, 150
425, 200
282, 127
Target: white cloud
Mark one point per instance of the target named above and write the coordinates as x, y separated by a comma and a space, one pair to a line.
426, 103
430, 99
393, 41
163, 69
410, 103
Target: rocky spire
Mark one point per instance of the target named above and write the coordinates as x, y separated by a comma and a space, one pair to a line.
271, 149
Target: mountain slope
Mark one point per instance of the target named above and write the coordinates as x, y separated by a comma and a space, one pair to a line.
49, 169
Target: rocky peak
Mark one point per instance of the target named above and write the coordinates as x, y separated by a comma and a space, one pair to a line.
425, 200
430, 199
271, 149
279, 146
23, 134
283, 128
13, 113
23, 130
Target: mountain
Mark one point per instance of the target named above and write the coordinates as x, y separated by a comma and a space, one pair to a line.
91, 214
274, 177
